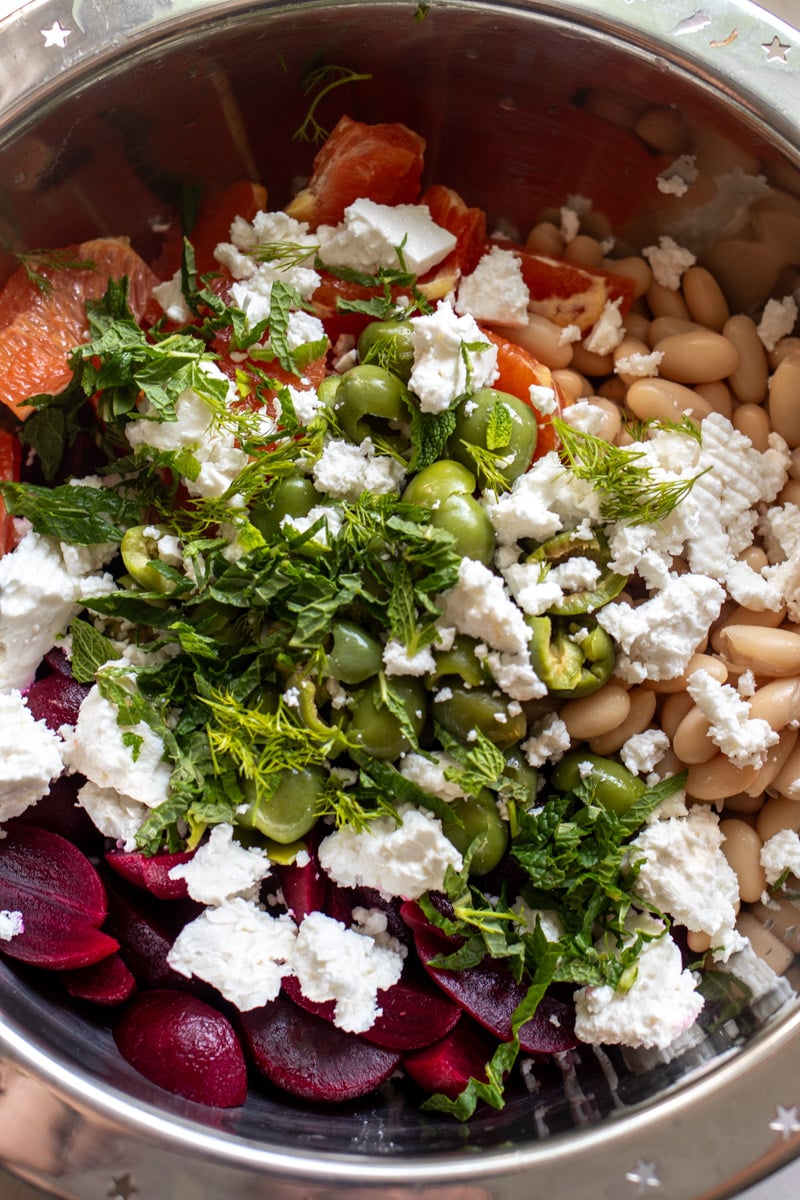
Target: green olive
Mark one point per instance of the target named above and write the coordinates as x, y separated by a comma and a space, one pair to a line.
290, 811
370, 401
439, 480
519, 770
463, 517
294, 496
139, 550
389, 344
615, 786
478, 708
376, 729
458, 661
498, 422
480, 819
355, 655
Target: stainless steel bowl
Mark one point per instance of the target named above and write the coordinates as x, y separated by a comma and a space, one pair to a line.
106, 109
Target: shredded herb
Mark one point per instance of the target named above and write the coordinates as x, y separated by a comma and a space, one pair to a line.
322, 81
35, 262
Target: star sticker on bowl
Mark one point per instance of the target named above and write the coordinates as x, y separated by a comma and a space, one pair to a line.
121, 1187
56, 35
776, 51
645, 1175
786, 1121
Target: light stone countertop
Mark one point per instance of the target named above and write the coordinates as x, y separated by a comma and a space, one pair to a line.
785, 1185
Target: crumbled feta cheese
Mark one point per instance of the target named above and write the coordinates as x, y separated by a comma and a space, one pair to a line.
549, 741
675, 179
533, 594
370, 234
428, 773
169, 296
643, 751
39, 596
541, 502
303, 329
668, 261
331, 962
662, 1002
398, 860
12, 924
252, 291
576, 574
239, 949
514, 675
660, 635
344, 471
450, 355
777, 321
374, 922
781, 853
685, 874
742, 739
569, 333
114, 815
397, 660
547, 918
221, 868
639, 366
584, 416
570, 223
127, 758
495, 291
543, 399
608, 331
30, 757
746, 684
480, 607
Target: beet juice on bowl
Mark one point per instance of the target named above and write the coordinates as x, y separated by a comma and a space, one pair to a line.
398, 637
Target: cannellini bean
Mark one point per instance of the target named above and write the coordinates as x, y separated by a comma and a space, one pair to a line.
765, 944
664, 302
634, 268
761, 649
787, 781
664, 129
673, 710
698, 662
573, 385
783, 407
614, 389
691, 742
642, 708
699, 356
704, 298
789, 493
636, 324
774, 761
546, 238
760, 618
755, 558
698, 942
662, 327
589, 363
584, 250
778, 814
742, 848
754, 423
718, 778
745, 805
665, 400
718, 395
781, 919
542, 339
783, 348
596, 714
749, 380
777, 702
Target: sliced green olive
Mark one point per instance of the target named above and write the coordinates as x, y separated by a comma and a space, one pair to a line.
481, 820
355, 655
459, 661
388, 344
615, 787
572, 658
139, 550
566, 545
469, 709
287, 812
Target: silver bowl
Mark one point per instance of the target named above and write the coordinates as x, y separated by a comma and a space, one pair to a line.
106, 110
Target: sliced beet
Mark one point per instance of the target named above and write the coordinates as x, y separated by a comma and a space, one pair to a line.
146, 931
309, 1057
151, 873
60, 812
61, 898
304, 887
342, 901
107, 982
185, 1046
448, 1065
414, 1015
57, 661
489, 993
56, 699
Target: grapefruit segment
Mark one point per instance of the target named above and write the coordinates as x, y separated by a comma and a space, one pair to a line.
568, 294
518, 372
43, 319
469, 226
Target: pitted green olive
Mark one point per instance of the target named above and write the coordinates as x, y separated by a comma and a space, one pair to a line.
355, 655
463, 517
371, 402
572, 658
294, 496
388, 344
439, 480
290, 810
375, 728
481, 820
459, 661
500, 423
615, 786
469, 709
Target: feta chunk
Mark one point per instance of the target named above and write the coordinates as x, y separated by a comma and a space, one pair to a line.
451, 355
495, 291
222, 868
480, 607
370, 234
777, 321
549, 741
12, 924
343, 471
668, 261
398, 860
781, 853
30, 757
742, 739
331, 962
114, 815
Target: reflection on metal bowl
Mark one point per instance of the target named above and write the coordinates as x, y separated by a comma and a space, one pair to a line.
104, 116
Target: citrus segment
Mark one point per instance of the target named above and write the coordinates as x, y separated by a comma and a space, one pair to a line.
518, 372
469, 226
568, 294
376, 162
10, 457
44, 318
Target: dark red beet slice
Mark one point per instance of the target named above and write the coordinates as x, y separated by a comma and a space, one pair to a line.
56, 699
490, 994
448, 1065
309, 1057
151, 874
60, 812
414, 1015
57, 661
304, 888
146, 931
61, 898
107, 982
185, 1046
341, 902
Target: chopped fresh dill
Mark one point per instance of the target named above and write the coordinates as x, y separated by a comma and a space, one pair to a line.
631, 493
322, 81
34, 262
